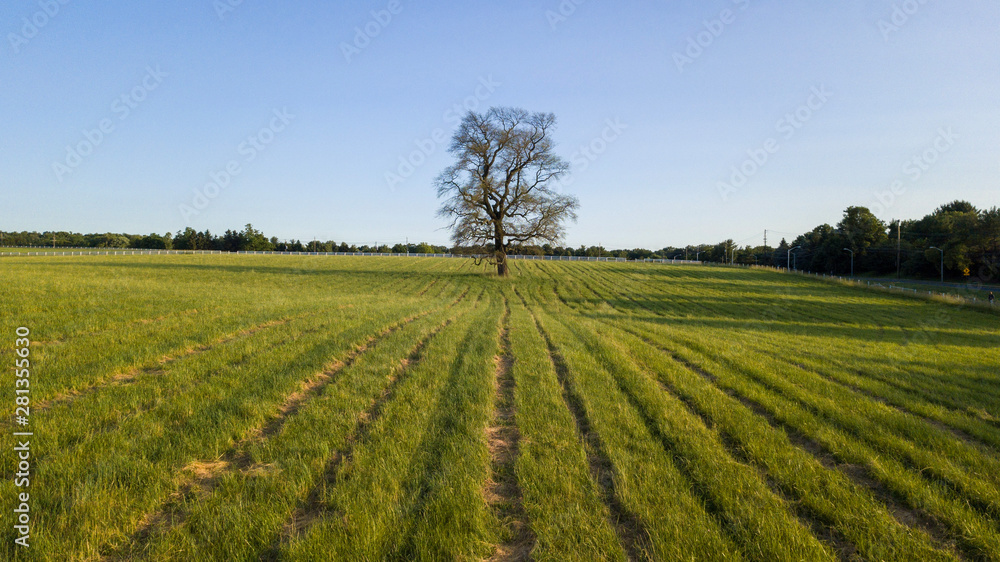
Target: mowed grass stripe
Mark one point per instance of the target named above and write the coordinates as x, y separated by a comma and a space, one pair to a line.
941, 407
867, 421
561, 500
923, 445
933, 397
829, 495
118, 467
630, 531
108, 297
934, 452
108, 409
868, 359
224, 396
239, 458
72, 425
288, 471
961, 519
975, 431
452, 519
93, 367
758, 519
957, 511
159, 365
373, 508
975, 533
646, 479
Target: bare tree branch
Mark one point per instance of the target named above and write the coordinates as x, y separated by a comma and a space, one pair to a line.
497, 193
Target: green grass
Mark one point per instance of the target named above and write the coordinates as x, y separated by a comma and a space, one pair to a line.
216, 407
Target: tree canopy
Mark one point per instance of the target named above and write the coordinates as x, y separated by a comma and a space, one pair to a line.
499, 194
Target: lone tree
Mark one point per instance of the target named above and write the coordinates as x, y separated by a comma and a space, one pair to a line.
499, 193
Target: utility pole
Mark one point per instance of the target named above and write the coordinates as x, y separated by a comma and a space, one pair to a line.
765, 237
899, 238
53, 240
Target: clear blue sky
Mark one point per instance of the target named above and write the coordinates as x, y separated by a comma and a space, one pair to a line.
198, 84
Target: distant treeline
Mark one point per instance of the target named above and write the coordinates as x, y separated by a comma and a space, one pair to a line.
246, 240
969, 238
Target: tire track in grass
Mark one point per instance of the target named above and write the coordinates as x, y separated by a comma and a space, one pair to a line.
110, 425
862, 476
503, 492
736, 494
936, 499
759, 444
427, 288
629, 530
974, 490
202, 475
961, 435
313, 509
858, 475
985, 440
160, 367
979, 444
927, 451
903, 513
840, 544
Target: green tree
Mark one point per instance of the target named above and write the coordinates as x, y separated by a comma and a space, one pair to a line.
252, 240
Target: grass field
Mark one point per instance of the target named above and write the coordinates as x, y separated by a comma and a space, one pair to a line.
314, 408
969, 292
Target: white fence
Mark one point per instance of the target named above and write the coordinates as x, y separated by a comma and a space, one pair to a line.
184, 252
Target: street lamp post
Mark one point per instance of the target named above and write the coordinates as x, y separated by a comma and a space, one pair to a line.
942, 261
788, 258
852, 260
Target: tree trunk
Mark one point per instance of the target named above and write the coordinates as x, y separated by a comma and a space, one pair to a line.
501, 257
